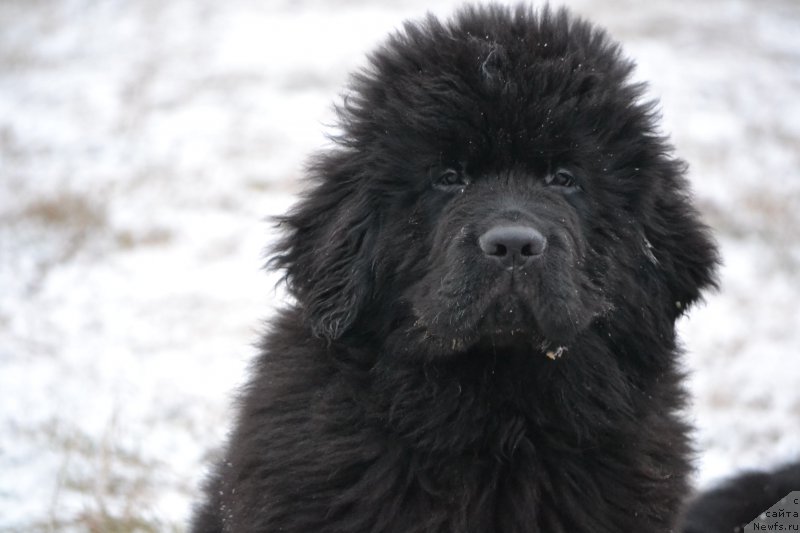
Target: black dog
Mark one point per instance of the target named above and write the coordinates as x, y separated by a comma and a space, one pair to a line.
487, 272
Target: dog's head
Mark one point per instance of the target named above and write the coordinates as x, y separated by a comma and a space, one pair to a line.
497, 178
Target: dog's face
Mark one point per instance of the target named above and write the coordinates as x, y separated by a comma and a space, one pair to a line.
499, 181
501, 253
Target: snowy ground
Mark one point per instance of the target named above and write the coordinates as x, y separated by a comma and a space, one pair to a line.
142, 143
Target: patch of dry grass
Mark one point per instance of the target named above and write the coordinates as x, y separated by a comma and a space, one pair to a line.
102, 485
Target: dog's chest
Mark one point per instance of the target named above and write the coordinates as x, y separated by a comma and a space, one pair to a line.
479, 493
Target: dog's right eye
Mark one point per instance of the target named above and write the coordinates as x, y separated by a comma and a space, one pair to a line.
563, 179
450, 179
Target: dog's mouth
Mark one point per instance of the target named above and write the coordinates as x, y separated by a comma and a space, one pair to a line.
503, 315
520, 312
506, 309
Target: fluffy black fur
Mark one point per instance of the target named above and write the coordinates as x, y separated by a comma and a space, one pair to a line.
729, 507
421, 384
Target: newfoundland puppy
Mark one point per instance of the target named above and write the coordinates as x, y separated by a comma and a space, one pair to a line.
486, 272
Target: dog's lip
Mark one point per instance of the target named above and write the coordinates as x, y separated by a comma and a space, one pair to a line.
506, 308
502, 298
504, 311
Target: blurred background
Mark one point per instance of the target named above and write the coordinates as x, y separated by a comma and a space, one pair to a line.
143, 144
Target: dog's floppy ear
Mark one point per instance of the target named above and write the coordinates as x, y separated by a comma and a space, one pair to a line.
678, 244
326, 247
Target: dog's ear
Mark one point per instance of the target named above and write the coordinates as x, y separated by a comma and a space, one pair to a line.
326, 249
677, 243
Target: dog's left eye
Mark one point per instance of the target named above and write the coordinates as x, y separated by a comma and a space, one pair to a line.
561, 178
450, 179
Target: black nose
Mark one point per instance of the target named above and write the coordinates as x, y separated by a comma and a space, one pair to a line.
512, 245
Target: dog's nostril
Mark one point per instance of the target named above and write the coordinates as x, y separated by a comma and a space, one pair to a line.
511, 244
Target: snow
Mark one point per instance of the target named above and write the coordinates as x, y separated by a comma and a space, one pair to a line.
144, 143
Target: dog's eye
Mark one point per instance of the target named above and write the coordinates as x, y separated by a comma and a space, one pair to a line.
450, 179
561, 178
